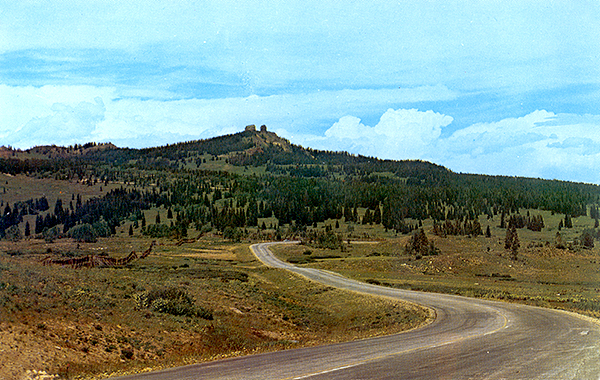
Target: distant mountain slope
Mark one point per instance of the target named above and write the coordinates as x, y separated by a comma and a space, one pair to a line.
250, 147
231, 181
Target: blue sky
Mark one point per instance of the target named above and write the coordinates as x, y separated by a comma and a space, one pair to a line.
493, 87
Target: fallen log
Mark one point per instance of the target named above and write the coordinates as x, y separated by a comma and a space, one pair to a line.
90, 261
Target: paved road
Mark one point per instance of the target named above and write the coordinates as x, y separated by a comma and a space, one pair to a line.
469, 339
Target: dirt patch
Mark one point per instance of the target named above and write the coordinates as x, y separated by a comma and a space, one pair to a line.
209, 254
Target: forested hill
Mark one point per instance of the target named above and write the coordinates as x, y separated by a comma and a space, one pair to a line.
233, 181
250, 148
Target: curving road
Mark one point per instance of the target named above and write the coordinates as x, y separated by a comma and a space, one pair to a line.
469, 339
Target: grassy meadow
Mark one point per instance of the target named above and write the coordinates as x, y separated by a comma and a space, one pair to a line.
210, 298
184, 303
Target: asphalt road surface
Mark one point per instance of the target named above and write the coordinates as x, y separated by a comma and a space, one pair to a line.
469, 339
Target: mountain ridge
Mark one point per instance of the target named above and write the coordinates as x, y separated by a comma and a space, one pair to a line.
250, 147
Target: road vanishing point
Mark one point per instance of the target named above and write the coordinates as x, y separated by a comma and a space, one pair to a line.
469, 339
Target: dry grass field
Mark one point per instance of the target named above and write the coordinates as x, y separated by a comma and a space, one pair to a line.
542, 275
94, 322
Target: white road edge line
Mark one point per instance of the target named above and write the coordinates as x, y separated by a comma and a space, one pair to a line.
327, 371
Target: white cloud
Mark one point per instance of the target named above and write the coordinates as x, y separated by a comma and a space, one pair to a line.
540, 144
348, 127
66, 125
400, 134
482, 138
412, 125
21, 104
128, 119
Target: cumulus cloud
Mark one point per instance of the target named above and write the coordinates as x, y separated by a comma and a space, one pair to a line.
66, 124
485, 138
20, 105
540, 144
399, 134
348, 127
139, 122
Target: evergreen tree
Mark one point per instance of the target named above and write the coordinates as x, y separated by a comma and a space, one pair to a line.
515, 245
419, 245
58, 209
568, 222
377, 215
39, 224
367, 217
558, 241
512, 241
27, 229
587, 239
476, 228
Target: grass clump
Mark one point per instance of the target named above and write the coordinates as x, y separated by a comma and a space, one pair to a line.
171, 300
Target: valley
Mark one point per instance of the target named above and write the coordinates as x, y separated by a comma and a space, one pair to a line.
201, 295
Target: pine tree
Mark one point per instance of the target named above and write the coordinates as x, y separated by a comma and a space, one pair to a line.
39, 224
419, 245
568, 221
515, 244
558, 241
587, 239
27, 229
377, 215
367, 217
512, 241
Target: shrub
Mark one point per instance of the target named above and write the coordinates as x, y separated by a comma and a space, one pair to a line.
174, 301
101, 229
13, 233
50, 234
126, 353
233, 234
83, 233
420, 246
587, 238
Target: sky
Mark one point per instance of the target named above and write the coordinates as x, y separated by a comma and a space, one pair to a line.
489, 87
